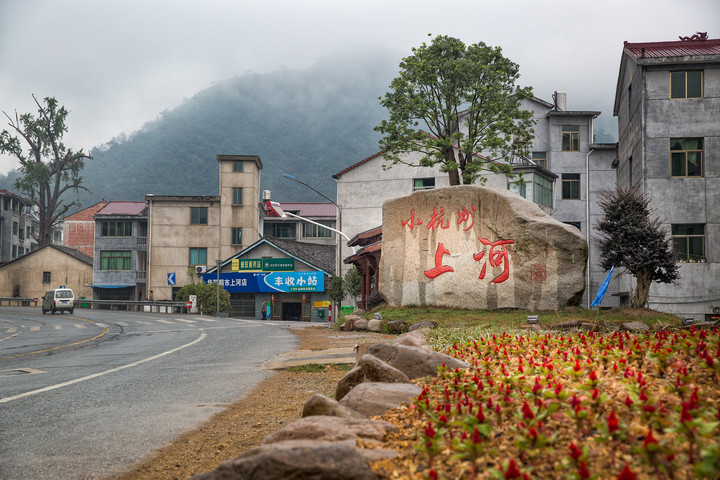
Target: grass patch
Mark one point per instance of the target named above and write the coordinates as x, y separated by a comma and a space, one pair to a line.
310, 367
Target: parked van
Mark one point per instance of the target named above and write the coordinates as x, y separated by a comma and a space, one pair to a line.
58, 300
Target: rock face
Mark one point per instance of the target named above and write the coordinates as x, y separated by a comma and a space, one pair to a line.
320, 404
414, 362
372, 399
331, 429
296, 460
369, 369
478, 248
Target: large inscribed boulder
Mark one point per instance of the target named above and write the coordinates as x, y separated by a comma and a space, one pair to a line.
478, 248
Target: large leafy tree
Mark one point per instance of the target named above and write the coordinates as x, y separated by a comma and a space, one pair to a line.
49, 169
634, 241
451, 102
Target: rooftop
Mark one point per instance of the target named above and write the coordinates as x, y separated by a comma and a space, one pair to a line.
123, 208
676, 48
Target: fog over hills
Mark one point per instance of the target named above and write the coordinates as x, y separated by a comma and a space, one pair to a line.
309, 123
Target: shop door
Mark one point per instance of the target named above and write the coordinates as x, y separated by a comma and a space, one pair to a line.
242, 305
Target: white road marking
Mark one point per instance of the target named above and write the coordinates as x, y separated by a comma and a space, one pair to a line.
186, 321
58, 327
80, 325
164, 321
123, 324
12, 330
34, 329
100, 374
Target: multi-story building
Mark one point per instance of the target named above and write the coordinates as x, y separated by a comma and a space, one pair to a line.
120, 259
565, 165
667, 102
190, 234
78, 229
18, 226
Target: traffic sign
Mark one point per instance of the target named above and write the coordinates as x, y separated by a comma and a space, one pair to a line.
171, 278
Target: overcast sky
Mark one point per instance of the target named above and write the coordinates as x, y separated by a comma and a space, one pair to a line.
116, 64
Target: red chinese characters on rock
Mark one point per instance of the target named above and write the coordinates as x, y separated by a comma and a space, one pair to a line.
465, 215
439, 267
495, 258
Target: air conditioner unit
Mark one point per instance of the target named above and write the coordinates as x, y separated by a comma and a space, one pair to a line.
200, 269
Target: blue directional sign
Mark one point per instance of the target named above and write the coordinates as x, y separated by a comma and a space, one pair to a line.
171, 278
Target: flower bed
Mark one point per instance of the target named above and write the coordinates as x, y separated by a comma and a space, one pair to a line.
578, 405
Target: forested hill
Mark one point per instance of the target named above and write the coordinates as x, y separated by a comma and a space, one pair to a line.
311, 123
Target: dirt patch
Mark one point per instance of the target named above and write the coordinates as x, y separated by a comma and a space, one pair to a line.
274, 403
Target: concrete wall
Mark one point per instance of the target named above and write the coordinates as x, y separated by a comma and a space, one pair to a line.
27, 273
244, 216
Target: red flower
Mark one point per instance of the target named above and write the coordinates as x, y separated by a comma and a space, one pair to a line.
527, 412
430, 431
593, 376
613, 425
442, 419
628, 401
512, 471
582, 470
595, 394
577, 366
575, 452
476, 438
627, 474
433, 474
649, 440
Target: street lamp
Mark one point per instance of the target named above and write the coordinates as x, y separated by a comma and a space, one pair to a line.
339, 225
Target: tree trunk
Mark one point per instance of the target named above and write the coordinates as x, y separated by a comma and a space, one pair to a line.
644, 279
454, 177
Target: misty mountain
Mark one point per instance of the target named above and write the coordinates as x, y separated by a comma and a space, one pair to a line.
311, 124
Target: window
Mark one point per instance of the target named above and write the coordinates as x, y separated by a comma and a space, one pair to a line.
237, 196
15, 228
21, 250
115, 260
116, 228
686, 84
540, 158
313, 231
198, 215
686, 157
570, 138
571, 186
573, 224
237, 236
423, 184
542, 191
689, 242
46, 277
279, 230
237, 166
14, 251
198, 256
21, 234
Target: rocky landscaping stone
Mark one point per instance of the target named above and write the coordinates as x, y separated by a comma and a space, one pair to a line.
323, 405
635, 326
296, 460
413, 339
415, 362
360, 324
375, 325
396, 326
423, 324
374, 398
369, 369
331, 429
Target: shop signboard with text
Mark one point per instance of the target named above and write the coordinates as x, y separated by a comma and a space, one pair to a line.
249, 282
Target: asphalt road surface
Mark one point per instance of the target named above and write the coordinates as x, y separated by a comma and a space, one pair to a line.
90, 394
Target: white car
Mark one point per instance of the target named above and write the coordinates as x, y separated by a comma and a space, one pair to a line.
58, 300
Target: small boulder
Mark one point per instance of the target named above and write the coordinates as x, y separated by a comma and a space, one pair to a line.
360, 324
374, 325
413, 339
331, 429
396, 326
635, 326
415, 362
423, 324
295, 460
373, 398
377, 316
369, 369
320, 404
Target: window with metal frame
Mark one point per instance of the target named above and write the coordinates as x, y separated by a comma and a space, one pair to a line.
236, 236
570, 138
279, 230
198, 215
686, 84
423, 184
237, 195
540, 158
688, 241
198, 256
115, 260
571, 186
686, 157
237, 166
46, 277
314, 231
116, 228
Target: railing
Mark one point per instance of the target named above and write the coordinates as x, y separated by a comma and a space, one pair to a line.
19, 301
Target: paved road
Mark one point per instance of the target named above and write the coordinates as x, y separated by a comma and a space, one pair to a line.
90, 394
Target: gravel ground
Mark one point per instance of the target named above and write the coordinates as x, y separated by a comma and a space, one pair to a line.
270, 406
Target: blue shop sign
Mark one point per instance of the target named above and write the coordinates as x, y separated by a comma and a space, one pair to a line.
253, 282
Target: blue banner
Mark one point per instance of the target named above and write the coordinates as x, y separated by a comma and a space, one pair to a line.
603, 288
254, 282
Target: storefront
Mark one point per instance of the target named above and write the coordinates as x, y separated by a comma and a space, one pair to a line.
266, 281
